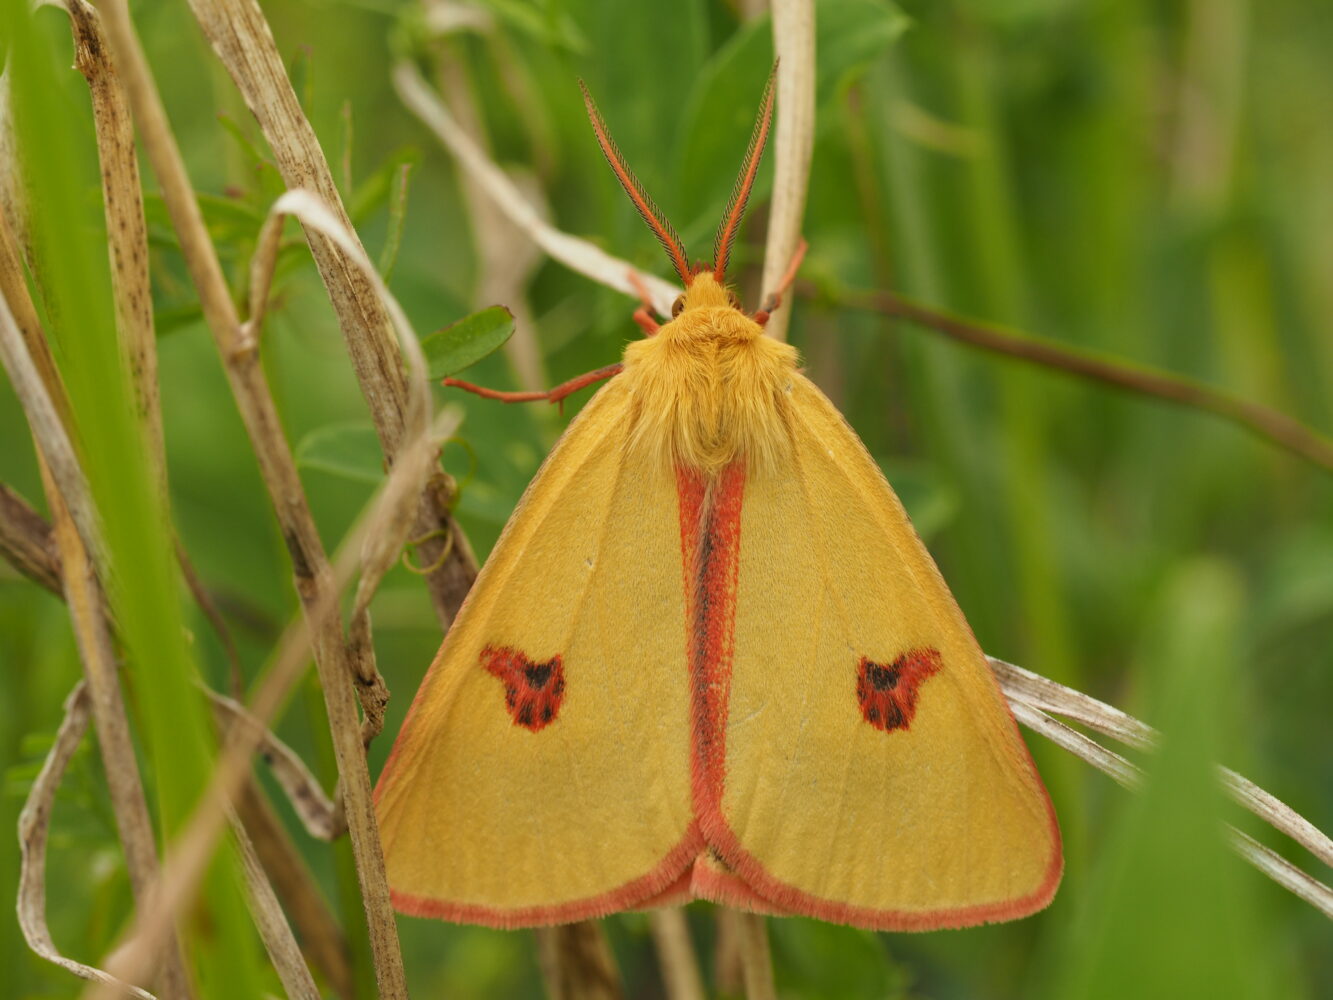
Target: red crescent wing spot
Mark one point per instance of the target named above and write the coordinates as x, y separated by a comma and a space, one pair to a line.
533, 691
888, 692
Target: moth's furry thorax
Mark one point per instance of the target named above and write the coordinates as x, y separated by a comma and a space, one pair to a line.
709, 388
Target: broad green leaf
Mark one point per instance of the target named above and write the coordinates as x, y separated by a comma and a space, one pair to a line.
462, 344
373, 192
720, 111
549, 27
1170, 911
350, 450
818, 961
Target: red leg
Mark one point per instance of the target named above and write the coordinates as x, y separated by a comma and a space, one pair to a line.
644, 314
775, 297
644, 318
555, 395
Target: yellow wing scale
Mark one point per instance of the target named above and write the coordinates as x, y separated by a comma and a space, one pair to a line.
709, 657
938, 823
485, 820
492, 814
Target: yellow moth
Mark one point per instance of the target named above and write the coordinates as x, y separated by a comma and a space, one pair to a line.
709, 658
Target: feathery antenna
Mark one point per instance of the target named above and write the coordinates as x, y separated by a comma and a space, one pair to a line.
652, 215
731, 219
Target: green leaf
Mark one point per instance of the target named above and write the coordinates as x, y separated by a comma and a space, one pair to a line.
1171, 911
819, 961
374, 191
547, 26
466, 342
351, 450
849, 36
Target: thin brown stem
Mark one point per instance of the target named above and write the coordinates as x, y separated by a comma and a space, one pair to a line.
311, 570
77, 537
87, 609
14, 290
577, 254
577, 964
26, 542
194, 846
313, 808
675, 953
243, 42
756, 959
274, 931
127, 231
321, 937
1276, 427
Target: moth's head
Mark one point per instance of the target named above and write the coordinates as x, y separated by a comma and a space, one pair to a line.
704, 291
705, 284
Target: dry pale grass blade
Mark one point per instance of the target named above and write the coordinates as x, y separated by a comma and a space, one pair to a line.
1277, 814
321, 937
126, 228
675, 954
1035, 691
48, 430
34, 826
79, 545
14, 290
245, 46
313, 577
400, 509
793, 145
313, 808
380, 551
1107, 761
1051, 696
756, 957
506, 257
193, 848
274, 931
576, 254
315, 214
262, 266
1281, 871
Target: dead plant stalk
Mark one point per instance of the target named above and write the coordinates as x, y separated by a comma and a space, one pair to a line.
77, 537
259, 413
243, 42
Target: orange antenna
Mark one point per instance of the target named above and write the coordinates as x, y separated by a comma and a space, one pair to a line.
731, 219
652, 215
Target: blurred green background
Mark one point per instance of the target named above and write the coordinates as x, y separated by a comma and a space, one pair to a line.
1148, 180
